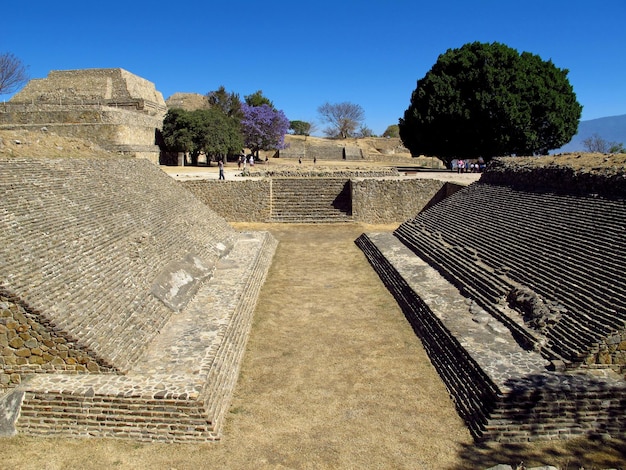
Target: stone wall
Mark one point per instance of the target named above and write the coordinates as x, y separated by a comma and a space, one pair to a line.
329, 151
85, 242
503, 391
374, 200
599, 177
119, 111
516, 286
28, 345
385, 201
237, 201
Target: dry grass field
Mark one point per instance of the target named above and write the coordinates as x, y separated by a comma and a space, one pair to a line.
333, 378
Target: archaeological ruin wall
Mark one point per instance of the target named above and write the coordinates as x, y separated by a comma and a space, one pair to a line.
338, 198
125, 302
114, 108
516, 285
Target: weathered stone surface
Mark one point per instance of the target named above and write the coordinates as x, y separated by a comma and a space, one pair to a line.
329, 198
111, 107
178, 282
555, 251
87, 344
76, 250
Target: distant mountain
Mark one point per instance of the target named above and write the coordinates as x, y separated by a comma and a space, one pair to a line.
611, 129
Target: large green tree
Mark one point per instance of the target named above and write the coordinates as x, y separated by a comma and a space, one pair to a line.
300, 127
392, 131
207, 131
257, 99
486, 100
228, 103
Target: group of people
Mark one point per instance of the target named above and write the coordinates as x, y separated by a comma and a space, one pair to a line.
467, 166
243, 160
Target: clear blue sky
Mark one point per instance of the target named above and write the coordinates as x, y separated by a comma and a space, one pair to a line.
303, 54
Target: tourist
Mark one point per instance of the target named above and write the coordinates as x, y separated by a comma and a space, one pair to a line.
220, 164
460, 166
251, 160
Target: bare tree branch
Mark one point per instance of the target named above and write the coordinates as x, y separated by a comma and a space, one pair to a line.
12, 73
344, 118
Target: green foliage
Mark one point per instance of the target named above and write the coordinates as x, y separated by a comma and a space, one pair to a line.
300, 127
228, 103
206, 131
392, 131
488, 100
257, 99
177, 131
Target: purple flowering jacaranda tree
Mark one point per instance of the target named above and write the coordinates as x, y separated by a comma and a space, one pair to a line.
263, 128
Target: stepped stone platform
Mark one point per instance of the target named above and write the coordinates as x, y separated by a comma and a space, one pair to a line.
114, 108
310, 200
125, 303
516, 286
304, 151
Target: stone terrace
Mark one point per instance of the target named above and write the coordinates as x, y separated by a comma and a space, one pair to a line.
123, 314
112, 107
321, 152
310, 200
518, 295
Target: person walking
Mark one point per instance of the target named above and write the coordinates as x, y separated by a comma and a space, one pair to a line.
220, 164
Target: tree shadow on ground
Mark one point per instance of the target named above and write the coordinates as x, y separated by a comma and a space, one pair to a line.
575, 454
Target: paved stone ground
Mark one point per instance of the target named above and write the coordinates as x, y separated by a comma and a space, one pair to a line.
233, 173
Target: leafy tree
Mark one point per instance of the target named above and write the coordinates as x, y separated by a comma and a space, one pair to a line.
228, 103
484, 100
595, 143
257, 99
263, 128
219, 135
206, 131
300, 127
12, 73
344, 118
392, 131
177, 131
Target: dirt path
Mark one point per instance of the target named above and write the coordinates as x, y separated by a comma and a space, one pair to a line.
333, 378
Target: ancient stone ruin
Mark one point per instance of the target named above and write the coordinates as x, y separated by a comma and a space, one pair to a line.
517, 287
111, 107
125, 302
333, 151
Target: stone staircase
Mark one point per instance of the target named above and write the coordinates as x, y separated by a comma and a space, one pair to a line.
514, 376
310, 200
491, 239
